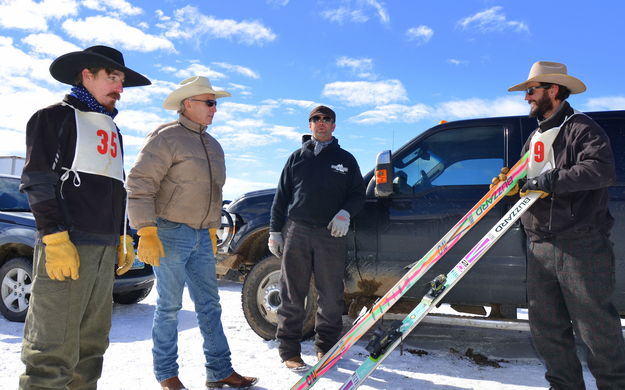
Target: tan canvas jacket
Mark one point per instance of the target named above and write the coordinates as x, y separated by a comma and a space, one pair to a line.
178, 175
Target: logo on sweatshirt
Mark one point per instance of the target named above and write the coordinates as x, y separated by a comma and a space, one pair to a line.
339, 168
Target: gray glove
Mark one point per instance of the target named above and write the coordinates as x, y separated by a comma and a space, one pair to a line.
339, 225
276, 243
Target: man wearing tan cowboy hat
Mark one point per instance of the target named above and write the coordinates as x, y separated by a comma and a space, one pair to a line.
570, 270
74, 179
174, 192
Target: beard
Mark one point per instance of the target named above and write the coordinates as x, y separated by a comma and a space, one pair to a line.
542, 106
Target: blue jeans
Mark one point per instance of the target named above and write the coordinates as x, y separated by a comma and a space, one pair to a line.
188, 258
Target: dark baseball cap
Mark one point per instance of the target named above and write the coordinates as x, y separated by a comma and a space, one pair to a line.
323, 111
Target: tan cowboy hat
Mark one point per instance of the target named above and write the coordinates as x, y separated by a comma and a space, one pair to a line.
551, 72
66, 67
196, 85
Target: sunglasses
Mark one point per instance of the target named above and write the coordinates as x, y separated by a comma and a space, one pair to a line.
324, 119
208, 102
530, 90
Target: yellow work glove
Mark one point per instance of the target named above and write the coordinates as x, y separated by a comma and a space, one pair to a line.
150, 249
125, 260
62, 258
534, 185
212, 232
502, 177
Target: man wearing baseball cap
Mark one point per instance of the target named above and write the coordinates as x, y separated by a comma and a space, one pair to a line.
175, 196
570, 270
74, 179
320, 189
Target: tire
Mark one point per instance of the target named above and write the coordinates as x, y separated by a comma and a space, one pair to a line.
132, 297
260, 300
16, 280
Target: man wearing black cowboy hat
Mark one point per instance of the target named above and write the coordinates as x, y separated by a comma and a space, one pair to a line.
74, 179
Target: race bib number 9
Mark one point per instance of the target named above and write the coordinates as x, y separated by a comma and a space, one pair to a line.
539, 152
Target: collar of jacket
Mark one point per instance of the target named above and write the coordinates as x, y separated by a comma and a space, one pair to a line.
557, 118
308, 143
189, 124
75, 102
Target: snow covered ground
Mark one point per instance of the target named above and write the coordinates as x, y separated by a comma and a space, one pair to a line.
433, 359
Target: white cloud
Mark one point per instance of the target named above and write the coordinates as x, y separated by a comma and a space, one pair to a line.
356, 11
393, 113
381, 11
110, 31
33, 16
286, 132
457, 62
238, 69
235, 187
307, 104
13, 142
362, 67
152, 94
492, 19
49, 44
420, 34
478, 108
140, 121
121, 7
606, 103
451, 110
279, 3
358, 93
342, 14
198, 70
241, 90
190, 23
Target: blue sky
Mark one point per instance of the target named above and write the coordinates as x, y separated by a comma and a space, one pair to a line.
390, 69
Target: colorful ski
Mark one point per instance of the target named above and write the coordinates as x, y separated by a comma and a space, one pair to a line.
384, 342
417, 269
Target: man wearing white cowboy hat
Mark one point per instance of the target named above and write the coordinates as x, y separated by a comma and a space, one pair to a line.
175, 196
74, 179
570, 270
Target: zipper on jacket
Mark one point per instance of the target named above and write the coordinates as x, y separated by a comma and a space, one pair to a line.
210, 179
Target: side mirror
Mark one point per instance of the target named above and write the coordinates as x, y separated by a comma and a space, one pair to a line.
383, 175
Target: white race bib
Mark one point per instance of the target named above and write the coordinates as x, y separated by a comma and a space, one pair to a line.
98, 150
541, 157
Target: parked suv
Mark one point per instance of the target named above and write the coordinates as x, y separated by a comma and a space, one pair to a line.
437, 177
17, 239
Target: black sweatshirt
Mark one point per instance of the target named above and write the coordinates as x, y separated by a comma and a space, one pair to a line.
312, 189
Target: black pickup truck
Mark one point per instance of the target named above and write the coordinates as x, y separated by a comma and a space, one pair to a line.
437, 177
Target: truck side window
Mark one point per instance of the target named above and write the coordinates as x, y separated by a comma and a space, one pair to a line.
461, 156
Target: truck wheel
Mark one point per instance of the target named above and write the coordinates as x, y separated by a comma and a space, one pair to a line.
132, 297
16, 278
260, 299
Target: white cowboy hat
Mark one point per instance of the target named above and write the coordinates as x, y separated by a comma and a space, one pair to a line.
196, 85
550, 72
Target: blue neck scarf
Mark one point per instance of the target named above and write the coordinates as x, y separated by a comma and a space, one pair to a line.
81, 93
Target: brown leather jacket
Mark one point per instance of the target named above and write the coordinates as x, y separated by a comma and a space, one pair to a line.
178, 176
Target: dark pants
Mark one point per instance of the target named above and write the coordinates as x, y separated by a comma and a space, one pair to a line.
67, 326
570, 283
310, 251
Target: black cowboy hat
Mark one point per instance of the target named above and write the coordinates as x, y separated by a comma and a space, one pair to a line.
66, 67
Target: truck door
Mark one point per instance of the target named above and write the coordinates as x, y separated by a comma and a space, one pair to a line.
437, 179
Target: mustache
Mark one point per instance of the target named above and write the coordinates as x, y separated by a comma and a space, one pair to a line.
115, 95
